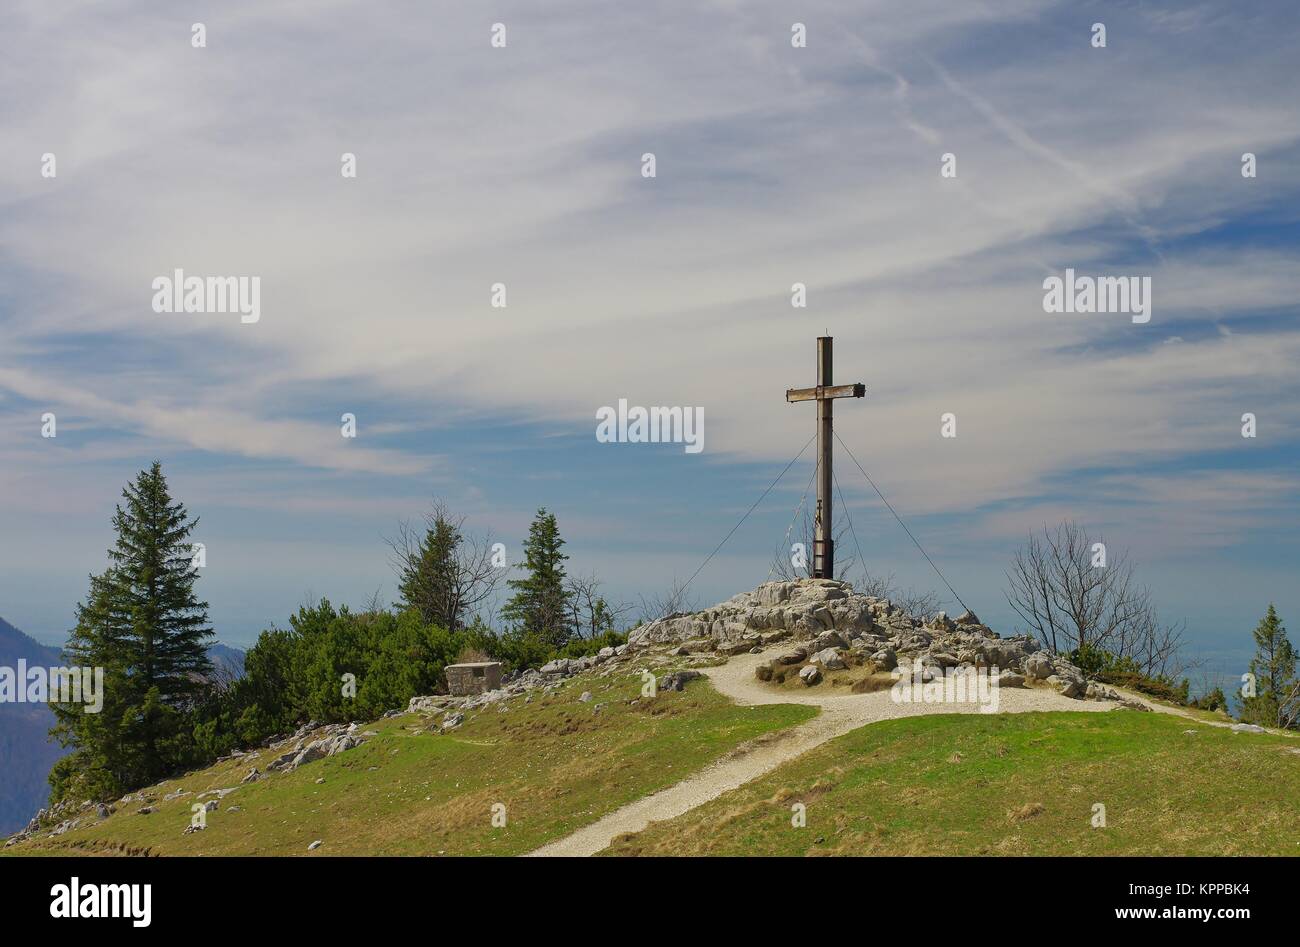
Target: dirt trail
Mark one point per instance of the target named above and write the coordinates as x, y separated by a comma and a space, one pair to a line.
840, 713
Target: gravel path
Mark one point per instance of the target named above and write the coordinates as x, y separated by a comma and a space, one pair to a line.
840, 713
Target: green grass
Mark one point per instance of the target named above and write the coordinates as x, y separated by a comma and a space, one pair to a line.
1019, 784
555, 764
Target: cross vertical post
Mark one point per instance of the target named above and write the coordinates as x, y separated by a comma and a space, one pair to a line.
823, 539
823, 566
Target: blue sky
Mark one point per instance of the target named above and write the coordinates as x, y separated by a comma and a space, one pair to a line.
774, 165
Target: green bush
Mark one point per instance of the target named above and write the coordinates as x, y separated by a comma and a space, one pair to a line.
581, 647
1100, 665
1214, 700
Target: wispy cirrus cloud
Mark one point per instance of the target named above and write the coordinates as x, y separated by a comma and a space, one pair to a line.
775, 165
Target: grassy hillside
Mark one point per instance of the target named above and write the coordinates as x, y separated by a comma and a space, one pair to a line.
556, 764
1021, 784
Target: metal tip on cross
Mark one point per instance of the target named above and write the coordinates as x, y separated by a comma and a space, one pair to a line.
824, 394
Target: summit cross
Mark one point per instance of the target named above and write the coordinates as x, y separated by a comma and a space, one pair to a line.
824, 394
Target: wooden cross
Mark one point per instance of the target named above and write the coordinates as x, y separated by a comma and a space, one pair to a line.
824, 394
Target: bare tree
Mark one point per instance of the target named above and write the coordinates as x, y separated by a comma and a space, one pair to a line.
1155, 647
675, 601
915, 604
373, 605
1073, 593
589, 613
442, 570
1288, 707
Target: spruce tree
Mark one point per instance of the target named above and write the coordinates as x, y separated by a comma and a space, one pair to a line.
430, 581
142, 623
540, 605
1274, 669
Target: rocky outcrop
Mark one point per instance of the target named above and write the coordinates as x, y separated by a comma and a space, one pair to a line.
829, 619
311, 743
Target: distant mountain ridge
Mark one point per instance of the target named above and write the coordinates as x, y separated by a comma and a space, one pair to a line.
26, 751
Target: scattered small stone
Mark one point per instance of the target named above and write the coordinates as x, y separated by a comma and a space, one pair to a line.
315, 845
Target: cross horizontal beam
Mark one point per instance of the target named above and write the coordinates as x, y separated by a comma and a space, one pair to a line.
826, 392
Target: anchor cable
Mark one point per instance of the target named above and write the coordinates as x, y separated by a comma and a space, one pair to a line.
853, 532
802, 500
747, 512
900, 522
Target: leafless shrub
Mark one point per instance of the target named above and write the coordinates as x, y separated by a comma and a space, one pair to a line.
914, 603
675, 601
1069, 601
589, 613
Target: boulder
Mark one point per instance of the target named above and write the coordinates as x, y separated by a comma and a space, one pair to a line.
452, 721
885, 659
674, 628
309, 754
810, 675
942, 622
828, 639
736, 645
1038, 666
560, 667
943, 659
676, 681
1069, 688
792, 657
1007, 653
830, 659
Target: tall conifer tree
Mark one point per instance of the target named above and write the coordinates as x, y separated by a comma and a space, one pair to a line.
540, 604
1274, 669
142, 623
430, 580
